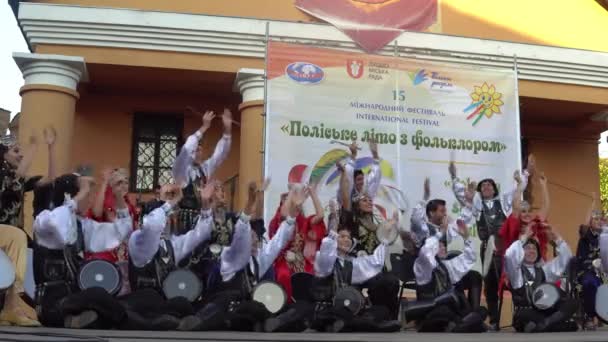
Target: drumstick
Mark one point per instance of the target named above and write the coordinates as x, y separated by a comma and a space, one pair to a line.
344, 144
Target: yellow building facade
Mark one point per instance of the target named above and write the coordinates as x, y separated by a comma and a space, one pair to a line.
99, 68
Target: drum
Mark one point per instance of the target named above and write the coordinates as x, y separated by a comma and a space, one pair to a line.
350, 298
182, 283
100, 273
301, 286
545, 296
271, 295
601, 302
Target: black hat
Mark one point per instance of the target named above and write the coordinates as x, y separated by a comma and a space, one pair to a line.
491, 181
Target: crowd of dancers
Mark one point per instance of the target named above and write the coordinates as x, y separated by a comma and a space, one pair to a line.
184, 262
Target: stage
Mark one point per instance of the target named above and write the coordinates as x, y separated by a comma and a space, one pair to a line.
46, 334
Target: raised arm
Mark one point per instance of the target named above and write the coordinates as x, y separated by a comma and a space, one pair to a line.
236, 256
97, 208
459, 266
347, 170
518, 195
50, 136
269, 251
186, 243
544, 210
514, 257
458, 188
345, 192
56, 228
319, 212
556, 267
374, 177
418, 218
327, 255
222, 148
426, 261
185, 157
367, 267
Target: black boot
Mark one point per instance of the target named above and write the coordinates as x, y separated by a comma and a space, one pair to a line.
282, 322
83, 320
471, 323
417, 310
555, 318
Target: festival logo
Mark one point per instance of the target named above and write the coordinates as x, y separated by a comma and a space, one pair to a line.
418, 76
486, 101
306, 73
354, 68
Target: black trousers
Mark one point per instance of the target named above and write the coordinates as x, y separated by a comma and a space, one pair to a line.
491, 281
556, 320
383, 290
55, 302
456, 316
472, 282
147, 309
228, 311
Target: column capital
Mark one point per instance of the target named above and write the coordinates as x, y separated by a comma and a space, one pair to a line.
51, 70
250, 83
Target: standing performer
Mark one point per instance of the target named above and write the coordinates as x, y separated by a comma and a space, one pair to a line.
526, 271
233, 307
490, 211
299, 254
61, 238
587, 252
358, 182
191, 169
441, 305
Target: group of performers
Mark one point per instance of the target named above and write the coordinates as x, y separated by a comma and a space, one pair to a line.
189, 264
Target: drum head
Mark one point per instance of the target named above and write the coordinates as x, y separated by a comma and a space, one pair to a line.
349, 298
182, 283
601, 302
545, 296
301, 286
7, 272
100, 273
271, 295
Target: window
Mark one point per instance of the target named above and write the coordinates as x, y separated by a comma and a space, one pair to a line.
156, 139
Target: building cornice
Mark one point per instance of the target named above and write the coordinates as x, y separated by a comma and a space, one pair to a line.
245, 37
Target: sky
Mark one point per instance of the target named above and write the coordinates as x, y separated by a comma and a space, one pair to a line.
11, 40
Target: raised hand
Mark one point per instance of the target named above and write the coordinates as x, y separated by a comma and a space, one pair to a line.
227, 120
427, 189
208, 190
517, 176
542, 179
106, 174
300, 194
33, 140
469, 193
50, 135
528, 232
373, 147
353, 147
452, 169
340, 167
463, 229
531, 167
207, 119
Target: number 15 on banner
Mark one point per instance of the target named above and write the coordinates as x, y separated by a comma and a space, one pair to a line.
399, 95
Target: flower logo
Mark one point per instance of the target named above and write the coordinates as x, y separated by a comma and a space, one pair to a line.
486, 101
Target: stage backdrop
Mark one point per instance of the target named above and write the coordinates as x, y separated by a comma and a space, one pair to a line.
421, 113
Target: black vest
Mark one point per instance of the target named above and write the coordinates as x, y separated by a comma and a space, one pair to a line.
324, 289
588, 250
153, 273
51, 265
244, 280
490, 220
522, 295
439, 284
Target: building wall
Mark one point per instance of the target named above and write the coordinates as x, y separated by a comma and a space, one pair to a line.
103, 129
567, 23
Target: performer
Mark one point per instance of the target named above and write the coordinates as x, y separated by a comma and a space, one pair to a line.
191, 169
358, 205
526, 271
14, 181
440, 303
299, 254
335, 270
153, 255
358, 182
61, 237
104, 210
242, 268
490, 210
587, 252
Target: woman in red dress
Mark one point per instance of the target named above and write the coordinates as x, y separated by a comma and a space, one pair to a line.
299, 255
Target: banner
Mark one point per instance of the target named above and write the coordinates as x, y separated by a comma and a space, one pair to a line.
421, 114
374, 23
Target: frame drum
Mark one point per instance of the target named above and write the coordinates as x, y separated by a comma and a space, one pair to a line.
271, 295
601, 302
350, 298
182, 283
545, 296
100, 273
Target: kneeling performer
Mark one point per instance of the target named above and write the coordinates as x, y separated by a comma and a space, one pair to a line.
528, 275
441, 306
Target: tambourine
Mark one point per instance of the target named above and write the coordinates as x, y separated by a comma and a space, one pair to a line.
545, 296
